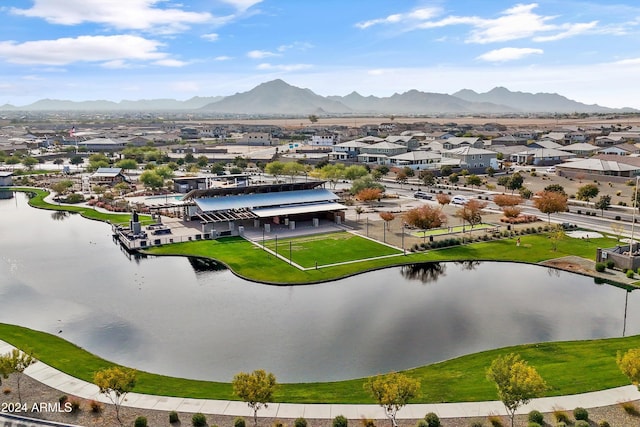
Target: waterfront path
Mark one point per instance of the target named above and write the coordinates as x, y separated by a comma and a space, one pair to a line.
85, 390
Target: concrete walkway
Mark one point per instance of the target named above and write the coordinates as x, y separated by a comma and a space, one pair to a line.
82, 389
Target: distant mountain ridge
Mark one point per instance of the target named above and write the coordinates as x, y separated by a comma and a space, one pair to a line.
278, 98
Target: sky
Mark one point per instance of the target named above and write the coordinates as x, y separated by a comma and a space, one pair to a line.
588, 51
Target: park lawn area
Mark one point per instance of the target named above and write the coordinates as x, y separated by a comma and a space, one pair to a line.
37, 201
567, 367
330, 248
447, 230
253, 263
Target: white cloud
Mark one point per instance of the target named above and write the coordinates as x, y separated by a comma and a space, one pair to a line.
223, 58
517, 22
212, 37
284, 67
170, 63
570, 30
631, 61
116, 64
421, 14
295, 45
82, 49
134, 15
259, 54
509, 54
185, 86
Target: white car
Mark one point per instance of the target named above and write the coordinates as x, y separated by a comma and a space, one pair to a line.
459, 200
552, 169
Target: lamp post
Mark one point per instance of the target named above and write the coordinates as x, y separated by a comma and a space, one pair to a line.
633, 220
404, 251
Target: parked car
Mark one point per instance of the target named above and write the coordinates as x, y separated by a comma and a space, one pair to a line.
459, 200
423, 195
552, 169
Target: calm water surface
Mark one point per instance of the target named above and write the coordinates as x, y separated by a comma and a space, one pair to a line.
64, 274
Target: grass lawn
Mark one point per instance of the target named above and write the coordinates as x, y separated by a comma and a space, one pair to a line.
37, 201
456, 229
255, 264
567, 367
329, 248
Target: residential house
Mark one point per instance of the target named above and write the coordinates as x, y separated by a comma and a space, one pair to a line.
621, 150
323, 140
407, 140
580, 149
457, 142
545, 143
472, 158
255, 138
509, 140
417, 160
557, 137
348, 150
609, 140
598, 169
541, 156
379, 153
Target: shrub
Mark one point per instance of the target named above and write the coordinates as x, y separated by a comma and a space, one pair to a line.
477, 424
581, 423
610, 264
74, 198
580, 414
604, 424
600, 267
277, 423
495, 421
630, 274
561, 424
432, 419
239, 422
62, 399
536, 417
95, 406
140, 422
532, 424
300, 422
630, 408
340, 421
75, 405
367, 422
421, 423
561, 416
198, 420
173, 417
6, 390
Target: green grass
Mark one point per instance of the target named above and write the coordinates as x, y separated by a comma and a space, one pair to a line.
252, 263
456, 229
329, 248
567, 367
37, 201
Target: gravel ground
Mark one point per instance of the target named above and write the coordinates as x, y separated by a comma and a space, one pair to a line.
34, 392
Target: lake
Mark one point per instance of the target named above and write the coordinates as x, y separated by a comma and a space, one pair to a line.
63, 274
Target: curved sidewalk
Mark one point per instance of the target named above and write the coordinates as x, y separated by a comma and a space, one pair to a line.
85, 390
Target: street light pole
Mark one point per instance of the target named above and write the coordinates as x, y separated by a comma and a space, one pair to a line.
633, 219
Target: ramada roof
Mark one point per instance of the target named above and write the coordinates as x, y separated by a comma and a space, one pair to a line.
264, 200
598, 165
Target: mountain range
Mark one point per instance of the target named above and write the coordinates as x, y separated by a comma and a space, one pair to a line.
278, 98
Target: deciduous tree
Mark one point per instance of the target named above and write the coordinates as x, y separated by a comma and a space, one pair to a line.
587, 192
392, 392
365, 182
275, 169
425, 217
115, 383
369, 194
471, 212
629, 364
550, 202
443, 199
516, 381
603, 203
515, 182
426, 177
151, 179
473, 180
16, 361
256, 389
387, 217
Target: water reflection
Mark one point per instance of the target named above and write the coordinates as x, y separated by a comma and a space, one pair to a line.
427, 272
187, 317
59, 215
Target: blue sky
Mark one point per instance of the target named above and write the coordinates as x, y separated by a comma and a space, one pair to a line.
141, 49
